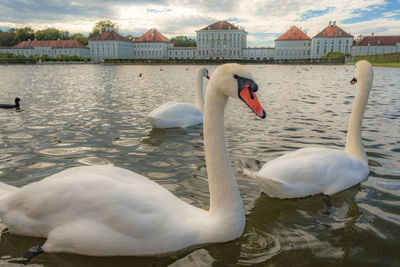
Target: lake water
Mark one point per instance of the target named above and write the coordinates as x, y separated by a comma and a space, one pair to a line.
76, 115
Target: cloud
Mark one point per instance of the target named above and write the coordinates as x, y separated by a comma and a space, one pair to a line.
184, 17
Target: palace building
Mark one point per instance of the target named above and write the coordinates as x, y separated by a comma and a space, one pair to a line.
152, 44
51, 48
373, 45
110, 44
293, 44
221, 40
331, 39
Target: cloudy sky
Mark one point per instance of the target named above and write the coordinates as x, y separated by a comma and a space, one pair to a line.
264, 20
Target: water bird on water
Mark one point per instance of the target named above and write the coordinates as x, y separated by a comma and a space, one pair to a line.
177, 114
8, 106
108, 211
315, 170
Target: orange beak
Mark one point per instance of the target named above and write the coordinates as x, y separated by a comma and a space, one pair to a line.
251, 100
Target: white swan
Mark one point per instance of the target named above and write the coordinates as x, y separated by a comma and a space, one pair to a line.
106, 210
314, 170
177, 114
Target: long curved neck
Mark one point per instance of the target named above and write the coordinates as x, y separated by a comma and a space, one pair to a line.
354, 144
224, 194
199, 101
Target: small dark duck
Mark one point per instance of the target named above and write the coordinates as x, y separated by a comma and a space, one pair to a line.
11, 106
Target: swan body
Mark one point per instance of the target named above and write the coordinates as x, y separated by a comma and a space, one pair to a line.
8, 106
107, 211
310, 171
177, 114
315, 170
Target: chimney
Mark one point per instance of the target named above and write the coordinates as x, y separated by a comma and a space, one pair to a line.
372, 34
329, 23
334, 23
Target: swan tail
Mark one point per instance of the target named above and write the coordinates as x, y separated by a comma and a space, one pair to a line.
250, 173
272, 187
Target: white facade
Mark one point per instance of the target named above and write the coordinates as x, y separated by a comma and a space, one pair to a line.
50, 51
221, 40
324, 45
110, 44
375, 50
53, 48
292, 49
100, 50
331, 39
182, 52
259, 53
374, 45
151, 50
221, 43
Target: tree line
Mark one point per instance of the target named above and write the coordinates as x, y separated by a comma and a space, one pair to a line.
14, 36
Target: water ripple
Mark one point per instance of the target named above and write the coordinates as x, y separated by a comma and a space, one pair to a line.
96, 115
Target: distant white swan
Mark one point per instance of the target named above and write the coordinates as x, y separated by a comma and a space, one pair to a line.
314, 170
178, 114
106, 210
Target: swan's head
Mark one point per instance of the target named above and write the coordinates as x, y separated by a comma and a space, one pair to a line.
363, 70
204, 73
234, 80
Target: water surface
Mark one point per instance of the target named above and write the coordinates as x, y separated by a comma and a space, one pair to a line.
75, 115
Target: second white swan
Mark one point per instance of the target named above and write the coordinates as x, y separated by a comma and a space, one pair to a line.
315, 170
177, 114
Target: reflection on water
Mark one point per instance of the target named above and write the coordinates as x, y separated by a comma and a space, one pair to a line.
74, 115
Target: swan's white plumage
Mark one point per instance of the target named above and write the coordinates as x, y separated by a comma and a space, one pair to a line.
181, 115
315, 170
101, 210
107, 211
310, 171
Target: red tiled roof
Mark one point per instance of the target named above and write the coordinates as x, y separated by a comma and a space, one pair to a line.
378, 41
333, 31
52, 43
293, 34
221, 25
152, 35
109, 36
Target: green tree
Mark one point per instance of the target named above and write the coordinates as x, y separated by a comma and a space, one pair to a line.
183, 41
80, 38
51, 34
23, 34
7, 38
335, 55
131, 37
102, 26
358, 38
